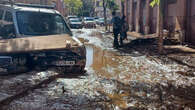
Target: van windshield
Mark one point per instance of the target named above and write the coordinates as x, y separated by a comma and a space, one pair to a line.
37, 23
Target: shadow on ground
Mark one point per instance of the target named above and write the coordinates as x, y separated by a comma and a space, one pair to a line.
148, 47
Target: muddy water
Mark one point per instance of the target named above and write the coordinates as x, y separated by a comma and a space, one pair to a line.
103, 62
89, 55
106, 64
136, 81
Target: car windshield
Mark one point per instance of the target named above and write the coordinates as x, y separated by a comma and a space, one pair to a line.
36, 23
89, 19
101, 19
72, 17
75, 20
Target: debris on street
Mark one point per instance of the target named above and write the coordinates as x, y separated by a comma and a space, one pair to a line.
136, 78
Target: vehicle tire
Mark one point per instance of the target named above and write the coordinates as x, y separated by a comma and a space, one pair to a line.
30, 62
60, 70
82, 70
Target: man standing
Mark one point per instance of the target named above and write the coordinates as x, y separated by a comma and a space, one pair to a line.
116, 21
124, 30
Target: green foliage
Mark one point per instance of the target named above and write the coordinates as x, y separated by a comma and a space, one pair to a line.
160, 3
74, 5
155, 2
87, 8
111, 4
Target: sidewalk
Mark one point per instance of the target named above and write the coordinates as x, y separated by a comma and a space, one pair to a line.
181, 48
139, 35
183, 54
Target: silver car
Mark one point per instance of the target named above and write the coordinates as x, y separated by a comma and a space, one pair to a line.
75, 23
89, 22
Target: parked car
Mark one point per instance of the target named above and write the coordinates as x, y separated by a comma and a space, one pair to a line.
71, 17
75, 23
36, 36
89, 22
100, 22
96, 19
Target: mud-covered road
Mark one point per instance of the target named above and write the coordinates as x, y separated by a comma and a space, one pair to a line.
130, 78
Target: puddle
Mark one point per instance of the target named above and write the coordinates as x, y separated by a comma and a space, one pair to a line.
103, 62
152, 77
89, 56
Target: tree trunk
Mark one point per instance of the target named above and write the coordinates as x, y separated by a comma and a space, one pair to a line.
160, 27
105, 17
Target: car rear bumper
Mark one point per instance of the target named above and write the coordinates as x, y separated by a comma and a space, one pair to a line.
90, 25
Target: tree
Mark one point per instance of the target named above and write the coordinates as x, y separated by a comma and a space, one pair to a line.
110, 4
160, 4
88, 7
105, 17
74, 6
123, 7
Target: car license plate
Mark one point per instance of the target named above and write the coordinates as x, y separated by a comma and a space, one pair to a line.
64, 63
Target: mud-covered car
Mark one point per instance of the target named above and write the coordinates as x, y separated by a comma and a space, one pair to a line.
100, 22
89, 22
75, 23
37, 36
71, 17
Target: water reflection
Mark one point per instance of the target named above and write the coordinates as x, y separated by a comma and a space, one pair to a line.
104, 63
89, 56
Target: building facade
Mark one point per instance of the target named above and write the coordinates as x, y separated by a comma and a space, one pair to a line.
60, 6
179, 17
99, 10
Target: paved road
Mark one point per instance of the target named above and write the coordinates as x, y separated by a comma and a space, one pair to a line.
133, 77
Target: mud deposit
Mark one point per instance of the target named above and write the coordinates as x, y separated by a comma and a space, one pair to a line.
130, 78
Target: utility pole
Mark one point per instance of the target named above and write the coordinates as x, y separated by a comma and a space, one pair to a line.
160, 26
